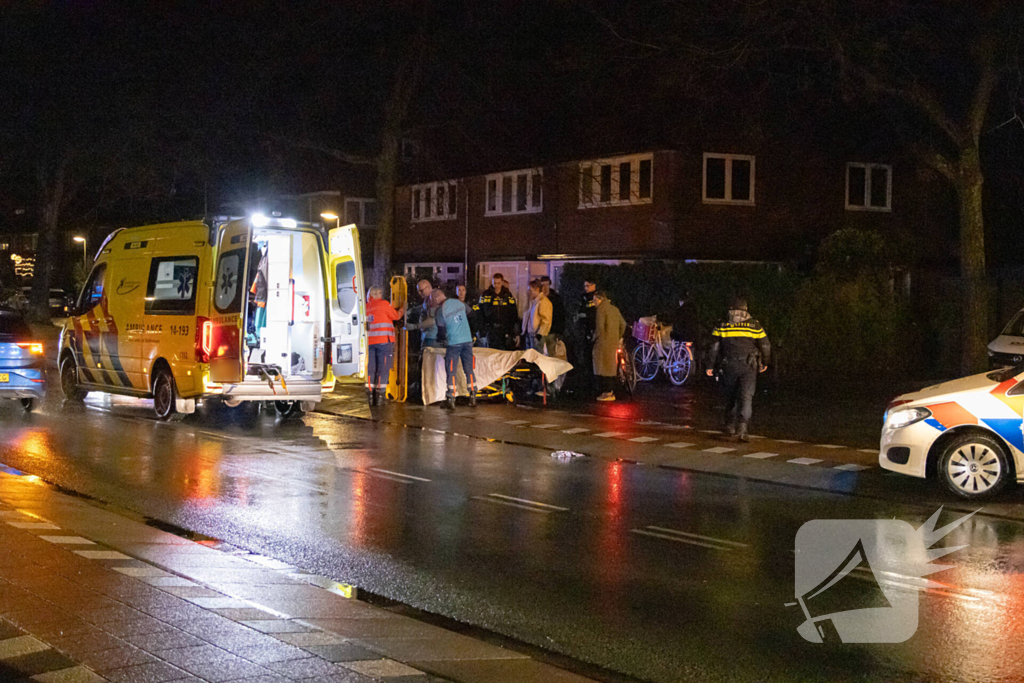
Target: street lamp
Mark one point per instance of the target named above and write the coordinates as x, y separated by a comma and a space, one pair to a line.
78, 238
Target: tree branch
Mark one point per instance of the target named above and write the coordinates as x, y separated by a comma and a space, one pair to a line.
982, 96
347, 157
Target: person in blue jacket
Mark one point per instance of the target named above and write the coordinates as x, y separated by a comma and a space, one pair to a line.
460, 345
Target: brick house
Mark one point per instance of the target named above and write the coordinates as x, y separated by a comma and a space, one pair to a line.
774, 203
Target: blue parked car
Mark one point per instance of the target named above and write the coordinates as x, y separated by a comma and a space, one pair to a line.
22, 363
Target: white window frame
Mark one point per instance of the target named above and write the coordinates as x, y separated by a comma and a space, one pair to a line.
592, 168
450, 186
362, 202
512, 177
728, 179
867, 187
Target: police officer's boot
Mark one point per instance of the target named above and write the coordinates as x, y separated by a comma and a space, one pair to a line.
741, 433
371, 397
449, 403
379, 397
472, 399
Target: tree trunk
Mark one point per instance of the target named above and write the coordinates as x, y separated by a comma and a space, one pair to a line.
52, 193
968, 184
383, 243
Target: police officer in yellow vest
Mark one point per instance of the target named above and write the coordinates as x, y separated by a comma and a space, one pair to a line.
739, 350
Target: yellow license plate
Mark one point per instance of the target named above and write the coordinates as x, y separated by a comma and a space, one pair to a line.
4, 378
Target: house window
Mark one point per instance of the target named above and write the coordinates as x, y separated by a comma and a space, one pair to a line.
433, 201
868, 187
621, 181
728, 179
362, 212
515, 192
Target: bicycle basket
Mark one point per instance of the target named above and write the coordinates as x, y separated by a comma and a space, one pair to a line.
645, 330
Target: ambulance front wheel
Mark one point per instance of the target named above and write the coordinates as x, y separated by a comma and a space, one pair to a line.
69, 381
164, 395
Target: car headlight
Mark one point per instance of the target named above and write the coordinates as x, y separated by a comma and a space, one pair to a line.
904, 417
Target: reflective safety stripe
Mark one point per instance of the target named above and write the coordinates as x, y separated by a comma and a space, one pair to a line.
732, 333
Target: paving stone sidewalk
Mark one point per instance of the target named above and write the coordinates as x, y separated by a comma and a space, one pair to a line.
87, 594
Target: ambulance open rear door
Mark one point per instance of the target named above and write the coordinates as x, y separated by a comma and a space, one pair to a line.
348, 305
229, 300
398, 378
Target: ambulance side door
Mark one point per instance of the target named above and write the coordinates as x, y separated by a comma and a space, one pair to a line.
229, 301
347, 302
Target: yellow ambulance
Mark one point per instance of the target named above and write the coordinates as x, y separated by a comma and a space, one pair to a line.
261, 308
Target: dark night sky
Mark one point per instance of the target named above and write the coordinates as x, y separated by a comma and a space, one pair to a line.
165, 103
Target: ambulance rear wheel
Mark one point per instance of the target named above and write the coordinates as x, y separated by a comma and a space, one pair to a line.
69, 381
287, 410
164, 395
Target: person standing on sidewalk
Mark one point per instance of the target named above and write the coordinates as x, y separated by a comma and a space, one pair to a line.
380, 320
460, 346
557, 311
499, 315
427, 323
537, 321
740, 350
608, 330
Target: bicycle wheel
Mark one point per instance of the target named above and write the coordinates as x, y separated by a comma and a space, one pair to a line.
626, 372
645, 361
680, 364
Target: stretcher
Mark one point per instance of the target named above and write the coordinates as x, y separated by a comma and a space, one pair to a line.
491, 366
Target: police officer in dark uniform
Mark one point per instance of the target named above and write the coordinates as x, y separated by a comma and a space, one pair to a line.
499, 316
586, 318
739, 350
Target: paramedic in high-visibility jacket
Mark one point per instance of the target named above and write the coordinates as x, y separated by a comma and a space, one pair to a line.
739, 350
380, 338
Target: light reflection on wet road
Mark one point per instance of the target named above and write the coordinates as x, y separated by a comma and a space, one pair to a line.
664, 575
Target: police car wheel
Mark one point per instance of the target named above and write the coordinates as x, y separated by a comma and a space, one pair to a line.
164, 395
288, 409
974, 466
69, 381
28, 404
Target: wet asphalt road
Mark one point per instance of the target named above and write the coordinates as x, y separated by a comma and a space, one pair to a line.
658, 574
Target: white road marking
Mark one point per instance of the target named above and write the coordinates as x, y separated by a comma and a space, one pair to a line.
381, 475
102, 555
828, 445
34, 525
643, 439
711, 431
608, 435
530, 508
761, 456
575, 430
398, 474
719, 449
68, 540
679, 444
851, 467
544, 426
788, 441
525, 501
666, 530
872, 451
20, 645
804, 461
677, 539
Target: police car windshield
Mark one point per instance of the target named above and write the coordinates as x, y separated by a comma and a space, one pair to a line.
1013, 328
1006, 373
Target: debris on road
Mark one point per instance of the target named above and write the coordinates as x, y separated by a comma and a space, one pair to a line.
566, 455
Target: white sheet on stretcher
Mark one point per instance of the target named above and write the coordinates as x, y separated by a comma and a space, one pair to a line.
491, 364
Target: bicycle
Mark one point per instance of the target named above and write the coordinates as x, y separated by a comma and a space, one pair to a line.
625, 371
650, 354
